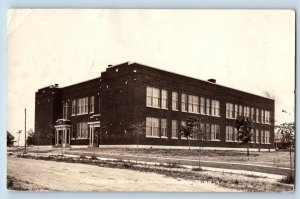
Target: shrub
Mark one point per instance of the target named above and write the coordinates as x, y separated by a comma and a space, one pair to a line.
288, 179
197, 169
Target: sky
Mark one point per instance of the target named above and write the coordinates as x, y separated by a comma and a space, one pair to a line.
249, 50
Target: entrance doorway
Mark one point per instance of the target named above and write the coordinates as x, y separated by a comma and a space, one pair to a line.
62, 135
94, 131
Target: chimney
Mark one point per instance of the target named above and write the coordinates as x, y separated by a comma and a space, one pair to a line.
212, 80
56, 85
109, 65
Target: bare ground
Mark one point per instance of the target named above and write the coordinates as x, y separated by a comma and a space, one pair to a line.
39, 175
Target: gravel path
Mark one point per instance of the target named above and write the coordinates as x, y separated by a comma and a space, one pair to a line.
62, 176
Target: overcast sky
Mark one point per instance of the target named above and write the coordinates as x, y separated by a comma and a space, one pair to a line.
253, 51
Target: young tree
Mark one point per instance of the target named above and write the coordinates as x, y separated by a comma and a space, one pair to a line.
137, 129
193, 129
287, 132
244, 125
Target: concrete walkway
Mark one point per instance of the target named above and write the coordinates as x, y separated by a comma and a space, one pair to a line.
223, 165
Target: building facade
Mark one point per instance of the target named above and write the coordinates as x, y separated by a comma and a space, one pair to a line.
102, 111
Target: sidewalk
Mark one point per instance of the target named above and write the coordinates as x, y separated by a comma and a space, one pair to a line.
213, 164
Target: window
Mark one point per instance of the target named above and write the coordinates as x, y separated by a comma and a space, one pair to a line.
236, 111
236, 135
202, 105
183, 102
164, 99
163, 127
215, 108
153, 97
240, 110
257, 115
252, 114
174, 101
73, 107
262, 120
152, 127
267, 136
257, 136
174, 129
82, 105
215, 132
82, 130
229, 110
262, 140
73, 134
92, 104
246, 111
193, 104
208, 106
229, 133
65, 110
267, 117
207, 132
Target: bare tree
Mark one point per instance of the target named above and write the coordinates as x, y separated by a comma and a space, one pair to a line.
193, 130
137, 129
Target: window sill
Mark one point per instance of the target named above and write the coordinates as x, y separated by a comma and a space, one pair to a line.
230, 141
148, 136
73, 115
164, 137
215, 115
82, 114
176, 138
91, 112
164, 108
153, 107
175, 110
79, 138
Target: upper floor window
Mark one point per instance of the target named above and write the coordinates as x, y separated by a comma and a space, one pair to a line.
65, 110
193, 104
252, 114
246, 111
215, 108
257, 115
236, 111
240, 113
267, 117
229, 110
82, 105
262, 120
202, 105
73, 107
208, 106
92, 104
153, 97
164, 99
174, 101
174, 129
152, 126
183, 102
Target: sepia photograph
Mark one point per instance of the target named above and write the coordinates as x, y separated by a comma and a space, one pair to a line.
150, 100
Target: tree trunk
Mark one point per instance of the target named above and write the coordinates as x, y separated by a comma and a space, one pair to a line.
137, 146
199, 155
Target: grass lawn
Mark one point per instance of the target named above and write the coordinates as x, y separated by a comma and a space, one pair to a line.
275, 158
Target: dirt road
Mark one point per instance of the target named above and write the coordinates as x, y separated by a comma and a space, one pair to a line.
62, 176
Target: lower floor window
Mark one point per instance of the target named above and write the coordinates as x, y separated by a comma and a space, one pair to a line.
215, 132
82, 130
152, 126
230, 134
174, 128
163, 128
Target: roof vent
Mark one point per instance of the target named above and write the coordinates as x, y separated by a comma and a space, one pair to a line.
212, 80
56, 85
109, 66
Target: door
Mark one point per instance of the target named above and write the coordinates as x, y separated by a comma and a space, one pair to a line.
96, 135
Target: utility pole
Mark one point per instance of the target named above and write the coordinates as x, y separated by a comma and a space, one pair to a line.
25, 133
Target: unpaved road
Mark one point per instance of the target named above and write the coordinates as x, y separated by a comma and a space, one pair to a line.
62, 176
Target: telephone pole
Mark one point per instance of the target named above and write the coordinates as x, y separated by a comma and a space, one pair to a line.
25, 133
